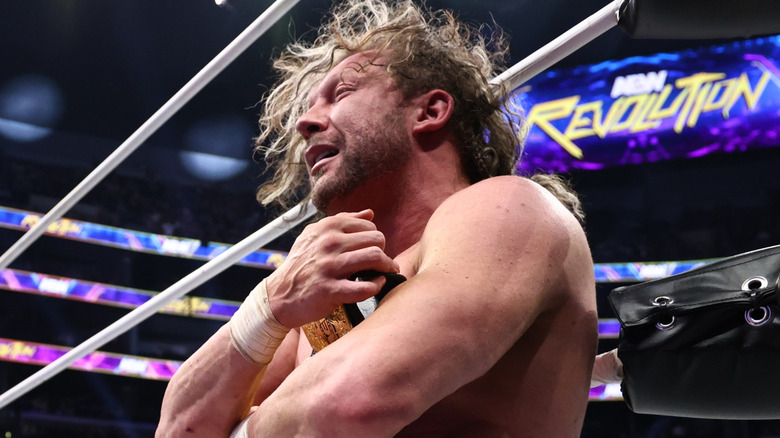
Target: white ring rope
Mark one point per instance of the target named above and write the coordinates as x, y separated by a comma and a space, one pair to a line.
515, 76
261, 237
566, 44
190, 89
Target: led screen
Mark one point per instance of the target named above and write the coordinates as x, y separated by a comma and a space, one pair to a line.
724, 98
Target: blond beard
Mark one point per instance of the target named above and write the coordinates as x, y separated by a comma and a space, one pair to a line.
356, 168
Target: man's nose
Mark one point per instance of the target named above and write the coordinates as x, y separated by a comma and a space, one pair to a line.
314, 120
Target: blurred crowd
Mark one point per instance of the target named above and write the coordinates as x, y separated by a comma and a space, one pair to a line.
209, 212
200, 211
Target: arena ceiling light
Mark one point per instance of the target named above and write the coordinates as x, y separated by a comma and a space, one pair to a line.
30, 106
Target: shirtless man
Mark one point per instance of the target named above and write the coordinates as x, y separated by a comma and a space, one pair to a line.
409, 154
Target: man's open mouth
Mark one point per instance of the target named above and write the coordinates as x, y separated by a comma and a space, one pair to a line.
318, 155
325, 154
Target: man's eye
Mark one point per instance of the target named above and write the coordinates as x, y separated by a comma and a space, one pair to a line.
340, 92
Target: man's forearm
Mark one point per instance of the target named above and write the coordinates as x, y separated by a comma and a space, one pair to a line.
211, 391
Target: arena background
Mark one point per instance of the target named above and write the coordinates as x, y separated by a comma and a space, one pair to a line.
78, 77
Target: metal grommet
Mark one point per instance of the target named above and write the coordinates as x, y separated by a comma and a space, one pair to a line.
665, 325
754, 318
754, 283
662, 301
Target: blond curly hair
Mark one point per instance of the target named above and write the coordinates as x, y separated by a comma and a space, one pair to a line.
425, 50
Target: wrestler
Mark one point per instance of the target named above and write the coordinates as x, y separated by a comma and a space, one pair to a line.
389, 123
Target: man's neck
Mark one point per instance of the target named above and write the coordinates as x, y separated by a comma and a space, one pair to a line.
404, 201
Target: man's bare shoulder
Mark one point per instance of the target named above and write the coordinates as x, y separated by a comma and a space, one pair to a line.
510, 222
505, 202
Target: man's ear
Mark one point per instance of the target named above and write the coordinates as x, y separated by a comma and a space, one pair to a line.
435, 110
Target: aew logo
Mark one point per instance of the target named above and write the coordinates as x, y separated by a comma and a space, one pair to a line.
640, 83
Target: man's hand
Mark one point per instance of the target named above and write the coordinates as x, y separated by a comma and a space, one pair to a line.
607, 369
314, 279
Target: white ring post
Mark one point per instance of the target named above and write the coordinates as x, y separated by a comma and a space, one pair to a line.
561, 47
259, 238
190, 89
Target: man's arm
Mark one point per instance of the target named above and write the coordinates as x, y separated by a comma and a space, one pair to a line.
490, 263
216, 386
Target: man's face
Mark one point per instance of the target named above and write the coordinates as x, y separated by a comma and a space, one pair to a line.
356, 129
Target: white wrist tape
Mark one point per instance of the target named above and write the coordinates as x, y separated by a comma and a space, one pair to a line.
242, 430
254, 331
607, 369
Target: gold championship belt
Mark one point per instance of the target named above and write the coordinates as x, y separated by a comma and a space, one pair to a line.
329, 329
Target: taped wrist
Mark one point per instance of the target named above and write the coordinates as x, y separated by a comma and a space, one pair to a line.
241, 430
254, 331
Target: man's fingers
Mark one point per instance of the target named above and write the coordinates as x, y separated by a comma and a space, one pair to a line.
354, 291
370, 258
366, 214
363, 239
346, 222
